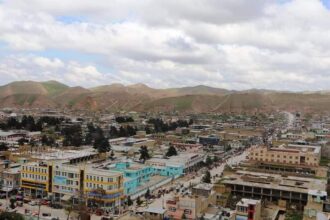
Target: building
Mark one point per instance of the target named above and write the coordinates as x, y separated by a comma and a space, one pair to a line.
11, 179
304, 155
134, 174
315, 205
273, 187
65, 181
248, 209
67, 156
209, 140
191, 206
36, 179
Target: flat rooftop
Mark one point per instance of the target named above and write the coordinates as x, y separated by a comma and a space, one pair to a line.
276, 181
65, 155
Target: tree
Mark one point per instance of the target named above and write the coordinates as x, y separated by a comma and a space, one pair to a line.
22, 141
144, 153
129, 201
122, 132
138, 201
89, 135
147, 194
113, 132
207, 177
12, 203
171, 151
208, 161
112, 154
11, 216
72, 136
101, 143
3, 147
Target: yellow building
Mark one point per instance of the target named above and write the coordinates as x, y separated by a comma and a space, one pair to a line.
65, 181
287, 154
35, 179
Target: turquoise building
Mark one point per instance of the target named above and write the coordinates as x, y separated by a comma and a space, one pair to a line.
169, 170
134, 175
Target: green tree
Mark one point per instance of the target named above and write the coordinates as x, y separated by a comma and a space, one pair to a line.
3, 147
12, 203
138, 201
207, 177
129, 201
208, 161
171, 151
147, 194
144, 153
11, 216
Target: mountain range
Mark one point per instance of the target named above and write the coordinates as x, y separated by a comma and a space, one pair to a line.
139, 97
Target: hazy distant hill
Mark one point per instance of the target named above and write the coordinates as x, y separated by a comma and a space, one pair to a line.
139, 97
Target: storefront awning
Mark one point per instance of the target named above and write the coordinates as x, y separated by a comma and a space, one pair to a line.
66, 198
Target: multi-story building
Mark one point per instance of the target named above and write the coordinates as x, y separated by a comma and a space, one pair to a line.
287, 154
66, 181
315, 205
191, 206
177, 165
11, 179
134, 174
209, 140
36, 179
248, 209
105, 186
273, 187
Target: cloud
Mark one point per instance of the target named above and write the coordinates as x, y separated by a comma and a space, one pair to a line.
232, 44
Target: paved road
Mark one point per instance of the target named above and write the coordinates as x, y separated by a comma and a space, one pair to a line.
160, 202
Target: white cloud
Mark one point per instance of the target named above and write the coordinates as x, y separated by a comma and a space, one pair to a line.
232, 44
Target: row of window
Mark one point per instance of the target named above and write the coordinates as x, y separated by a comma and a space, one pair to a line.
105, 187
34, 176
66, 174
100, 178
34, 169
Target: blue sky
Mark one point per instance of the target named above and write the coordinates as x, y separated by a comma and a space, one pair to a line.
275, 44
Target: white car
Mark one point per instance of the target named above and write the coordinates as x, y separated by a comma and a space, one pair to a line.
33, 203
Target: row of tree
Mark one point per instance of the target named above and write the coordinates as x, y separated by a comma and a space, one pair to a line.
29, 123
123, 119
123, 131
161, 126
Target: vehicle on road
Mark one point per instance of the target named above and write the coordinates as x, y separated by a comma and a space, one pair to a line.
33, 203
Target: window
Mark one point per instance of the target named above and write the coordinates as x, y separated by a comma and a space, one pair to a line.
172, 209
187, 211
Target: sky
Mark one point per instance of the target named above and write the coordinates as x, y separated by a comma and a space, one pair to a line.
231, 44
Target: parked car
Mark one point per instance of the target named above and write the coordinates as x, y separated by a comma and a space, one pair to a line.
33, 203
44, 202
26, 200
3, 195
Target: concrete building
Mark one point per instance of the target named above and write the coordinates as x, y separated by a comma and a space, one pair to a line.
304, 155
273, 187
134, 174
67, 156
35, 179
248, 209
11, 179
65, 181
176, 165
191, 206
315, 205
